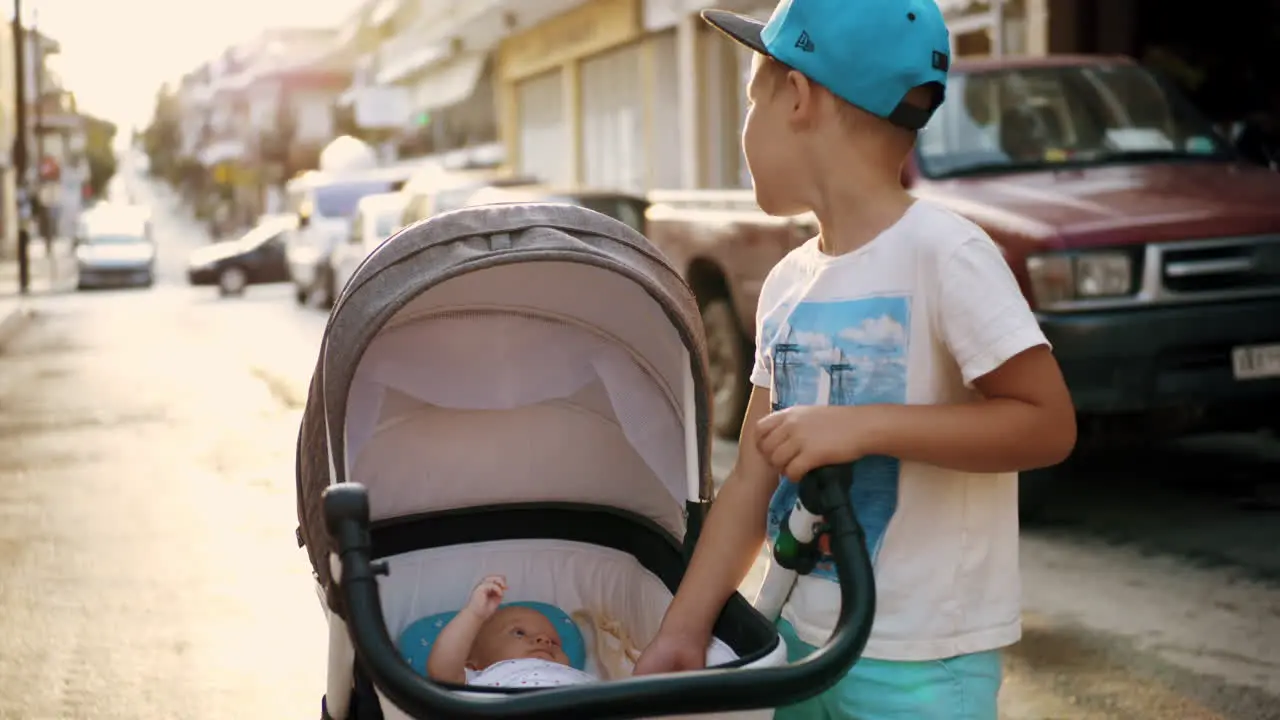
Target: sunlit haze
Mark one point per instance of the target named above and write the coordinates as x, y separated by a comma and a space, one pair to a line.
116, 53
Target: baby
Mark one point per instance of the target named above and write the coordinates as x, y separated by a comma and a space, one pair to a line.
511, 647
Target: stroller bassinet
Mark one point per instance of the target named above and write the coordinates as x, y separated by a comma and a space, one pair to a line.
522, 389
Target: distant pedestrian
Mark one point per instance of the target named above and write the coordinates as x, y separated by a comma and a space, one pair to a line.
896, 340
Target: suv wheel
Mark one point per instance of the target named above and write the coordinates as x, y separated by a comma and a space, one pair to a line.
728, 354
328, 288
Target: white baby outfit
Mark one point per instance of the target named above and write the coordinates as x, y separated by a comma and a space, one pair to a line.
527, 672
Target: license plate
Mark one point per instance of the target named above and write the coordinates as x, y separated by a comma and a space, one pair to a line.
1254, 362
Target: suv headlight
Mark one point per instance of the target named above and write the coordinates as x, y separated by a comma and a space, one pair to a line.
1060, 278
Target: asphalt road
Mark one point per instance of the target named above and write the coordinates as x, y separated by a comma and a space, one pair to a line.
148, 567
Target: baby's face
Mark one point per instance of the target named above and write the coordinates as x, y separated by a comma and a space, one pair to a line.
513, 633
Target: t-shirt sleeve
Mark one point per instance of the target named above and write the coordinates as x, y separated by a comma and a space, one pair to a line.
760, 376
760, 371
983, 317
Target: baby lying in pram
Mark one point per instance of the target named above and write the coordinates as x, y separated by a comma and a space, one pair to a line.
494, 646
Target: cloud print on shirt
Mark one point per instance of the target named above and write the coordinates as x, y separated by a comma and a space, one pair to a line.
877, 331
841, 352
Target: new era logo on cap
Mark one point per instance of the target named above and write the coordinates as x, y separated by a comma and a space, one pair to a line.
804, 42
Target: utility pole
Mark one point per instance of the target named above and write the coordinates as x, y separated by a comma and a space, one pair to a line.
20, 150
37, 192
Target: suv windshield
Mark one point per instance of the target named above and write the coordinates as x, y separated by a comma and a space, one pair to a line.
1049, 117
339, 200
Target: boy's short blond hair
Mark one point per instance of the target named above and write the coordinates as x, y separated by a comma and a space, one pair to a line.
848, 113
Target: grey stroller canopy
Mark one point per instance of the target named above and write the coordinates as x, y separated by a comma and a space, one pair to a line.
574, 243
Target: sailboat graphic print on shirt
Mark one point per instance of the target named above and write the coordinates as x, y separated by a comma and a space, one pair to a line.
841, 352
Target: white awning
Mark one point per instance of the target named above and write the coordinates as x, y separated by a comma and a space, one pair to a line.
400, 69
449, 84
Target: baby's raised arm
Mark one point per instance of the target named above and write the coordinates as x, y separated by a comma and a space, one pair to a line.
452, 649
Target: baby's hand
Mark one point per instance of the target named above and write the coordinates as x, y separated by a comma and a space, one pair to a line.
487, 596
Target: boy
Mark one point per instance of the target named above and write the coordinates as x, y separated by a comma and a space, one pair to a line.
897, 338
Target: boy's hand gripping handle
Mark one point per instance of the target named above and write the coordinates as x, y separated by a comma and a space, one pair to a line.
797, 546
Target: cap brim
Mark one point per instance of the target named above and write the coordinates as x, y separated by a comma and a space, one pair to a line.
742, 29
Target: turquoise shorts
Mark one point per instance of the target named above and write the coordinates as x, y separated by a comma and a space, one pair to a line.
959, 688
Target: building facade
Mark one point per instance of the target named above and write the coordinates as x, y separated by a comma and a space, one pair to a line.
256, 114
641, 94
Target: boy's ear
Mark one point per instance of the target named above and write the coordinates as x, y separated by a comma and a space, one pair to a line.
802, 94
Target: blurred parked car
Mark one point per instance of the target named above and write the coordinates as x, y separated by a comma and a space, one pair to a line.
436, 190
431, 193
256, 257
377, 218
114, 247
625, 207
325, 204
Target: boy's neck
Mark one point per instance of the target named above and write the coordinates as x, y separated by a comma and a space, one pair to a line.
855, 213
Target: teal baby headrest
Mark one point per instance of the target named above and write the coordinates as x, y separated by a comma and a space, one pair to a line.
416, 640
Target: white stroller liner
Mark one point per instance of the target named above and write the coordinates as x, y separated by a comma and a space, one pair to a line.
566, 574
521, 389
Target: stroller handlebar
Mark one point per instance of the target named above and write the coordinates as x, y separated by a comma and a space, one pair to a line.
346, 511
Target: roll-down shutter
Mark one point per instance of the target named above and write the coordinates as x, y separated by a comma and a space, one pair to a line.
544, 150
613, 147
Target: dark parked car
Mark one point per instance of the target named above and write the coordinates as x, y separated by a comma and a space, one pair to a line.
255, 258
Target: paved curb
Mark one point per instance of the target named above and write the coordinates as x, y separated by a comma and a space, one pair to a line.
13, 321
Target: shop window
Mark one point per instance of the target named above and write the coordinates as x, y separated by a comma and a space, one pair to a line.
974, 44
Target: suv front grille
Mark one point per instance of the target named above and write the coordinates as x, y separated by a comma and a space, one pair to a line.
1225, 265
1221, 266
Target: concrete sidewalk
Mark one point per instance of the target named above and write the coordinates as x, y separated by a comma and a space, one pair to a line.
51, 274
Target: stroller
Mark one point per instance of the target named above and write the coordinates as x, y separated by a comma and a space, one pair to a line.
521, 389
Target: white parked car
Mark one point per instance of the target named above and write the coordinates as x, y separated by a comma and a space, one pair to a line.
377, 218
114, 247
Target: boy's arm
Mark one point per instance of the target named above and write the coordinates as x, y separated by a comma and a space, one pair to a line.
730, 539
1025, 420
449, 653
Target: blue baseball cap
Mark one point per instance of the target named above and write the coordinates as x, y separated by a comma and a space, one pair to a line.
870, 53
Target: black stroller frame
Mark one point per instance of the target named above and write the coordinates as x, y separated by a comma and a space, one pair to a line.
335, 512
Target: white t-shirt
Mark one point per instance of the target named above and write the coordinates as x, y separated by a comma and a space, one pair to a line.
912, 317
527, 672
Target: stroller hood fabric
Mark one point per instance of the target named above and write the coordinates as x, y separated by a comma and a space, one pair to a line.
641, 297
